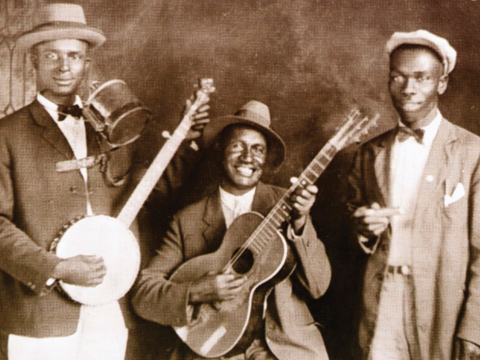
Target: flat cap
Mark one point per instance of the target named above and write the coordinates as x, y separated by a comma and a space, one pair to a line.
423, 37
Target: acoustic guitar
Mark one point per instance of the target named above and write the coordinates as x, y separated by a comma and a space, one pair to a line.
111, 238
254, 247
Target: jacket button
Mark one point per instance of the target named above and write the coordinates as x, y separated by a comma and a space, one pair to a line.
379, 277
73, 189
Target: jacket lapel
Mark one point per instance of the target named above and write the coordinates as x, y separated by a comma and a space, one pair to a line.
436, 168
51, 132
381, 153
94, 146
263, 200
214, 220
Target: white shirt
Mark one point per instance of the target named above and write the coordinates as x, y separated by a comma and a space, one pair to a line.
407, 164
234, 206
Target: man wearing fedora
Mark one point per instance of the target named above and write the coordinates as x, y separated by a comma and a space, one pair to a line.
244, 145
36, 201
421, 290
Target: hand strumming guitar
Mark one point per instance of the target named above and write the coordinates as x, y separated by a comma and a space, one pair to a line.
213, 287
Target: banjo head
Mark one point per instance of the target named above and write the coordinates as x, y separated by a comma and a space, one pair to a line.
110, 239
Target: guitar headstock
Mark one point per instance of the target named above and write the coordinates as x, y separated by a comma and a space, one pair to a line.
356, 127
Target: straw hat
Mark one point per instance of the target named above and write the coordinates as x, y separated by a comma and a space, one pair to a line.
60, 21
254, 114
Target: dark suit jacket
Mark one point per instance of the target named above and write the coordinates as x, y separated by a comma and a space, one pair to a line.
35, 202
198, 229
445, 239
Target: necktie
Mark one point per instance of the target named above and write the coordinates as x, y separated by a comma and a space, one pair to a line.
74, 110
405, 132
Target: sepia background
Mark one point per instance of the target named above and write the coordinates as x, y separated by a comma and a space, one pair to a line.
310, 61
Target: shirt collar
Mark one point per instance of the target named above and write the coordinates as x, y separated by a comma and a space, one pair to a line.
52, 108
229, 199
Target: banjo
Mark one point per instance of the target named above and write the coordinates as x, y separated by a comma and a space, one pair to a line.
111, 238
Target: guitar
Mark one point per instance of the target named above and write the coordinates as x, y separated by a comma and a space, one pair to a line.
254, 247
111, 238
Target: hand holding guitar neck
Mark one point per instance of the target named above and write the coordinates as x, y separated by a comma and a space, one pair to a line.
197, 108
302, 200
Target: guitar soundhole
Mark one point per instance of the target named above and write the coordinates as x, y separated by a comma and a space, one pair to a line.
244, 263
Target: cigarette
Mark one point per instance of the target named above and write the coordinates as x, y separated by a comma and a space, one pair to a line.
387, 211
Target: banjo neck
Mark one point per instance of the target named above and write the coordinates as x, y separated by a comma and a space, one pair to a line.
132, 207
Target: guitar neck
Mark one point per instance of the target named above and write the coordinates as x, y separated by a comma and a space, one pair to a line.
281, 211
132, 207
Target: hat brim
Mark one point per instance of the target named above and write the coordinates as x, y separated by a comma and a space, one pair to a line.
60, 31
276, 146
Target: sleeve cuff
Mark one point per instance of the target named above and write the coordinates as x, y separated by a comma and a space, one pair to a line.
291, 233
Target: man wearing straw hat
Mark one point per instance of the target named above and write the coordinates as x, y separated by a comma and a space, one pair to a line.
244, 145
421, 290
37, 322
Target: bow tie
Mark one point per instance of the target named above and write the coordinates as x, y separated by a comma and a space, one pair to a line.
405, 132
74, 110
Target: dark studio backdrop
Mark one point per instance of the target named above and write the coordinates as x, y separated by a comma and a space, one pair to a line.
310, 61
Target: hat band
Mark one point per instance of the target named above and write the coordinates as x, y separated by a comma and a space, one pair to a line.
54, 24
253, 116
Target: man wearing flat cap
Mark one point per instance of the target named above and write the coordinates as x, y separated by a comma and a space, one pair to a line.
244, 146
421, 287
37, 322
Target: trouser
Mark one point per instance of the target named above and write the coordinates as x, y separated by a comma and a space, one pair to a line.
101, 335
395, 336
258, 350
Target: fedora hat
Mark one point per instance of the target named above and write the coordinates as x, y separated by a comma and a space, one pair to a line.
256, 115
60, 21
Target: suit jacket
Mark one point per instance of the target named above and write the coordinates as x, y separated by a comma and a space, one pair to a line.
198, 229
35, 202
445, 239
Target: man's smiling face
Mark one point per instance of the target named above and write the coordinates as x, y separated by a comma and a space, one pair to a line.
244, 159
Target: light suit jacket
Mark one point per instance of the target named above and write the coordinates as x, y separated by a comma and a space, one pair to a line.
198, 229
445, 239
35, 202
